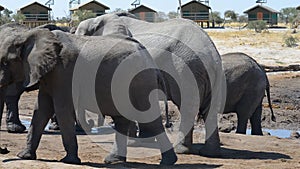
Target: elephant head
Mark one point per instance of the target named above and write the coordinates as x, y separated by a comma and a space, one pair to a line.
28, 56
103, 25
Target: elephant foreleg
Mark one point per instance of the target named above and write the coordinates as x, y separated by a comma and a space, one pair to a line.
66, 120
42, 113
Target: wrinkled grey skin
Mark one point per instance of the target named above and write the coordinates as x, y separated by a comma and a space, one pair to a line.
189, 42
51, 57
247, 83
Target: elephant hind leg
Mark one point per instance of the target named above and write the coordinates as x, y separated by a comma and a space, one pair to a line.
245, 108
255, 121
156, 129
119, 151
242, 124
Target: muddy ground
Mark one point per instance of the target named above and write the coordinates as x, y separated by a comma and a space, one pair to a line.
238, 151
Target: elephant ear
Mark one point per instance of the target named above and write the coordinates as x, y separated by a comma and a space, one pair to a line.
40, 55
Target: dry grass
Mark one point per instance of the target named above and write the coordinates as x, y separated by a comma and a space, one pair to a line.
268, 38
267, 48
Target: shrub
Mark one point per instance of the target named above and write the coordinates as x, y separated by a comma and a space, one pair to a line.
290, 41
258, 26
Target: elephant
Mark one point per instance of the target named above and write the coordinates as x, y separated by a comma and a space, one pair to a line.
246, 85
194, 51
10, 95
50, 59
13, 92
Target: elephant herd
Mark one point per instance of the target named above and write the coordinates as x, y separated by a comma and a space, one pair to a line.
113, 64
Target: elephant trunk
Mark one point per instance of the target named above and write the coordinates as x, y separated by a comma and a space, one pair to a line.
269, 100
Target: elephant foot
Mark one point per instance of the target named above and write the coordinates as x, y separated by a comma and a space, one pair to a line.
182, 149
210, 152
113, 159
27, 155
257, 133
168, 158
15, 127
71, 159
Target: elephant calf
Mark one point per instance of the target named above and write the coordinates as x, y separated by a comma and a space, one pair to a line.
246, 86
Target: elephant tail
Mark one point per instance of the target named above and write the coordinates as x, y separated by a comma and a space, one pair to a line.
269, 99
162, 83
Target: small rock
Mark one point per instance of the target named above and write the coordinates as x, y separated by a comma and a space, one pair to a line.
295, 134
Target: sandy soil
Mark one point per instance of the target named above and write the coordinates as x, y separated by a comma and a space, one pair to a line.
238, 151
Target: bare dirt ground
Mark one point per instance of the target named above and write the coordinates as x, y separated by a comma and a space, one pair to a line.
238, 151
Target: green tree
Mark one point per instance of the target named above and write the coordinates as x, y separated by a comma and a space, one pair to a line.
243, 18
18, 17
81, 15
288, 15
7, 12
231, 15
216, 17
5, 16
119, 10
63, 20
173, 14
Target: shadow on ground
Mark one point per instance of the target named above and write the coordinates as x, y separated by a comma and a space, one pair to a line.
227, 153
150, 166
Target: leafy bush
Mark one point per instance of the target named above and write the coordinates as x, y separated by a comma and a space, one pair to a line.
258, 26
290, 41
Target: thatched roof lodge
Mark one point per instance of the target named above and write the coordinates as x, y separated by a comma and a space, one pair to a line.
196, 11
35, 14
144, 13
94, 6
261, 12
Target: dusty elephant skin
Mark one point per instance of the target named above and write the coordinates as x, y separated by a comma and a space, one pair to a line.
195, 51
48, 58
247, 83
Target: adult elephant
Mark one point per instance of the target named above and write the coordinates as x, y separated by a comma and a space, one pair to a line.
177, 45
12, 93
247, 83
50, 59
